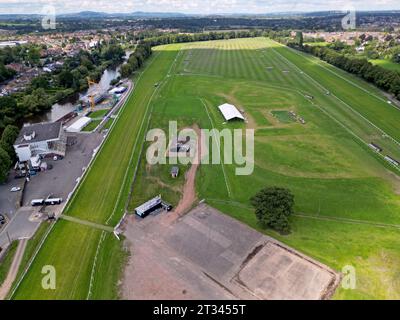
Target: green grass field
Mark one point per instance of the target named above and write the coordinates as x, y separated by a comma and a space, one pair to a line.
108, 123
98, 113
91, 126
283, 116
326, 163
317, 44
386, 64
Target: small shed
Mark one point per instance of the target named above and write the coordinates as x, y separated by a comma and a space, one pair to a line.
174, 172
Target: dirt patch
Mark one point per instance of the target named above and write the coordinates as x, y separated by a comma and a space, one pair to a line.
189, 189
162, 184
207, 255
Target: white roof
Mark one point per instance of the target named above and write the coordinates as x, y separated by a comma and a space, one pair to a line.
230, 112
148, 205
79, 124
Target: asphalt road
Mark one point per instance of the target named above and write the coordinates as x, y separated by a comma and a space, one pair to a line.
9, 199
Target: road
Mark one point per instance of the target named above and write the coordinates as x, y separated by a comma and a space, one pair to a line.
22, 225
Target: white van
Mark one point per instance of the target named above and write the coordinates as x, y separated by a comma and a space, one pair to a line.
53, 201
37, 202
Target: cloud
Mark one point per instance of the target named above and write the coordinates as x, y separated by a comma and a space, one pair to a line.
193, 6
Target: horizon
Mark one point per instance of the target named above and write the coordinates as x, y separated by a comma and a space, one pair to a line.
196, 13
194, 7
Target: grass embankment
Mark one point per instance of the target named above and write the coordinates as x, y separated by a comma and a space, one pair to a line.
387, 64
108, 123
92, 126
7, 260
98, 114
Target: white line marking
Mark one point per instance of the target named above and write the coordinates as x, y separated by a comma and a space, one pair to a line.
333, 95
92, 275
219, 147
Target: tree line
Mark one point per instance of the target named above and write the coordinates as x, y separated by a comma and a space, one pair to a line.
384, 79
7, 153
136, 59
147, 40
49, 88
204, 36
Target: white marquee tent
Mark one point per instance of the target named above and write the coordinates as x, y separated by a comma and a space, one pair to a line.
230, 112
79, 124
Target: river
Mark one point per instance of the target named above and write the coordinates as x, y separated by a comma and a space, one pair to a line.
59, 110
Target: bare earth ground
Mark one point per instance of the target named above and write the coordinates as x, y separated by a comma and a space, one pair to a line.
189, 189
208, 255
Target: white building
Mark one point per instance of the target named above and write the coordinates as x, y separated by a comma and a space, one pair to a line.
40, 140
78, 125
230, 112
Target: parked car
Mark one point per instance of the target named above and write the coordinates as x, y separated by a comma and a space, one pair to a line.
15, 189
2, 219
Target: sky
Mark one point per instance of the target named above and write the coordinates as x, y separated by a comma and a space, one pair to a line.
192, 6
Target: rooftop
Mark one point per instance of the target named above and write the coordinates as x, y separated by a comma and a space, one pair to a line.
148, 205
39, 132
230, 112
175, 170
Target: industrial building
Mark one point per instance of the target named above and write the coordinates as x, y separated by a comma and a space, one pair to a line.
40, 139
230, 112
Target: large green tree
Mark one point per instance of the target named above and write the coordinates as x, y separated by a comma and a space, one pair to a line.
8, 138
299, 38
8, 110
273, 207
5, 164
